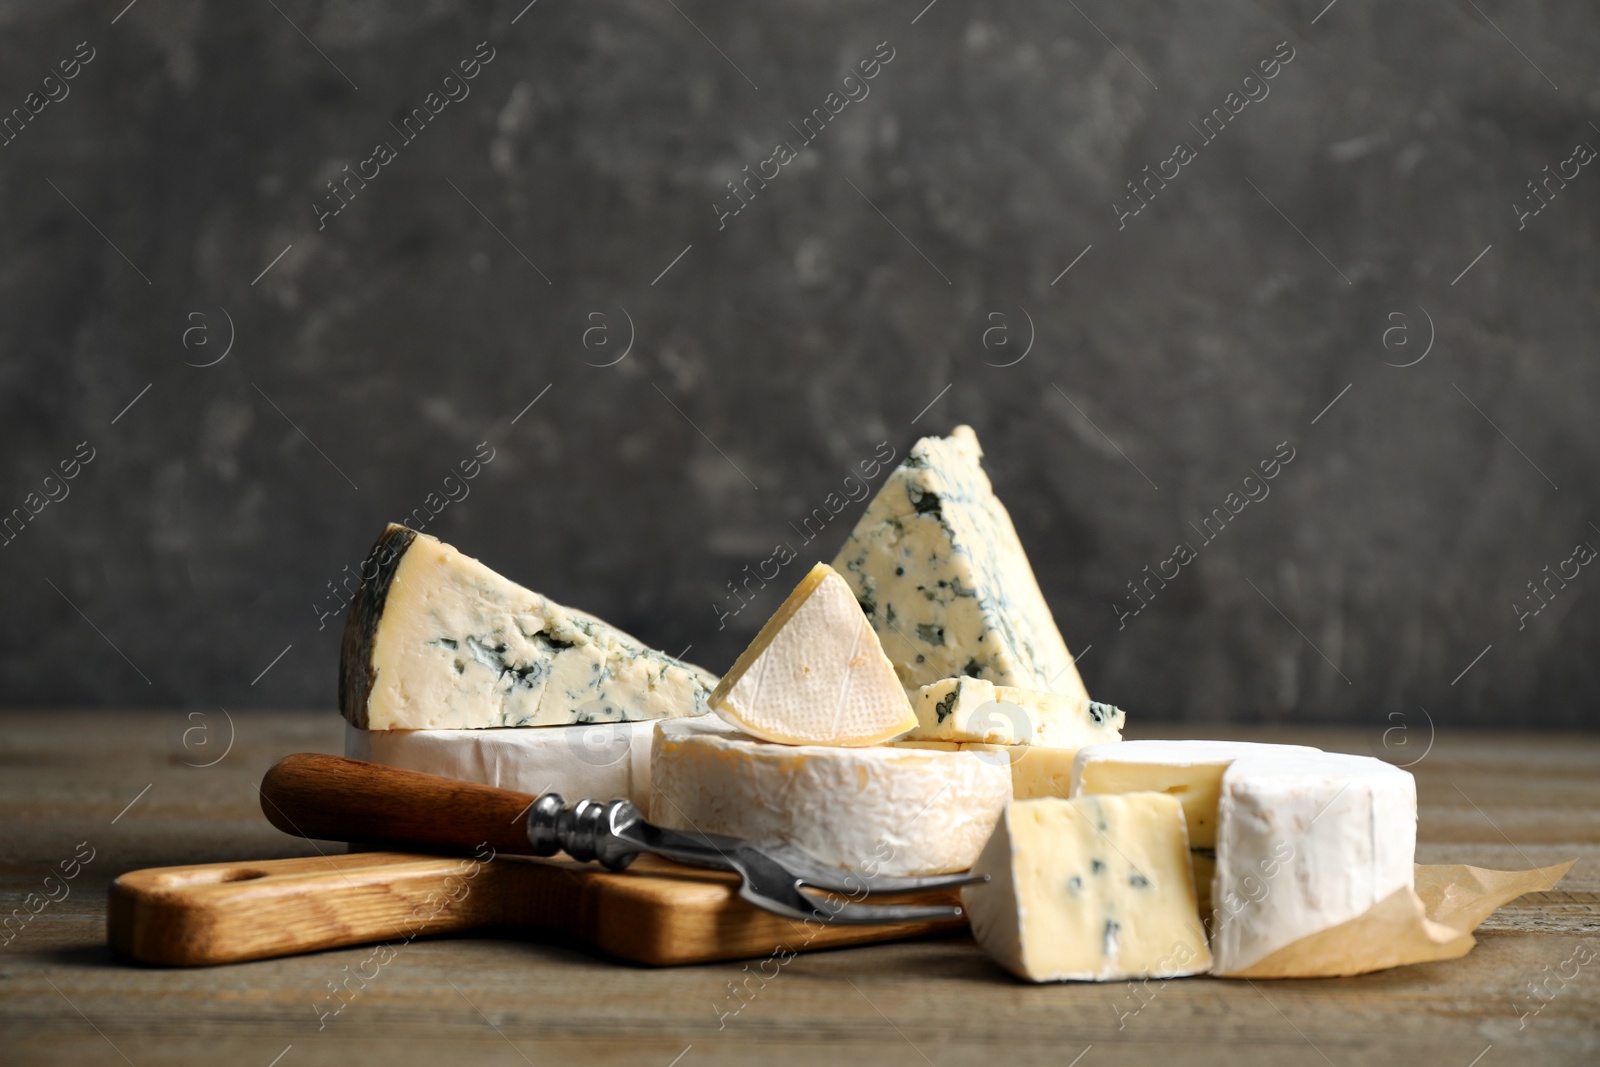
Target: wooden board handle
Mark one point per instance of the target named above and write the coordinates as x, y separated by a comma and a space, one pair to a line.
228, 912
656, 913
336, 799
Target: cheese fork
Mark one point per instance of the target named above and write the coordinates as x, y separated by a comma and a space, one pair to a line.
332, 798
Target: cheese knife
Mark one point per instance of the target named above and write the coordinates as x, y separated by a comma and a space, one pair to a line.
339, 799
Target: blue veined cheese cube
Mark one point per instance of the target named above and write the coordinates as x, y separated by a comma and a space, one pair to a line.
976, 710
1094, 888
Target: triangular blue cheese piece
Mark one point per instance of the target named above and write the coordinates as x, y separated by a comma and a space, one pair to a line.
436, 640
939, 571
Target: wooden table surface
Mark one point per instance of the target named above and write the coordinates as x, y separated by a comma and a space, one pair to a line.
130, 786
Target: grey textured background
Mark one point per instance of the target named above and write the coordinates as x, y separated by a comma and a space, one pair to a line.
777, 352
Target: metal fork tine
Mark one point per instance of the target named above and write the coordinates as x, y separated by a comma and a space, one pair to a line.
851, 914
767, 883
818, 875
772, 876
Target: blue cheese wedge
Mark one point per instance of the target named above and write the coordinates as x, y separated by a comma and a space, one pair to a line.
978, 711
1094, 888
937, 567
436, 640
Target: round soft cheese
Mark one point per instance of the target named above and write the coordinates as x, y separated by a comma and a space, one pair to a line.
876, 810
600, 761
1306, 842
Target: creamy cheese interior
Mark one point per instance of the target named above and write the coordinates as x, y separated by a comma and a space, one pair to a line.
446, 643
1189, 770
1093, 888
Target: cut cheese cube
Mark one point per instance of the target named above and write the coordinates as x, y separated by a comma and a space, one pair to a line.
940, 572
1041, 771
1189, 770
1094, 888
977, 710
601, 761
437, 640
882, 810
1305, 843
1036, 770
816, 674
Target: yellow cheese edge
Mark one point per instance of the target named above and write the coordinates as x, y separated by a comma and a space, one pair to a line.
1036, 771
1197, 786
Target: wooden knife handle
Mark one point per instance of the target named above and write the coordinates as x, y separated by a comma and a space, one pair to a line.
336, 799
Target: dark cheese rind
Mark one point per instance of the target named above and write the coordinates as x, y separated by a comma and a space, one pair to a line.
356, 673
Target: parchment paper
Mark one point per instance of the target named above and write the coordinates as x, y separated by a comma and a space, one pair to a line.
1434, 921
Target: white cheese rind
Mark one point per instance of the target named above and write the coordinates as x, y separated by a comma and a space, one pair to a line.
941, 574
1095, 888
816, 673
437, 640
1189, 770
878, 810
593, 762
1304, 843
976, 710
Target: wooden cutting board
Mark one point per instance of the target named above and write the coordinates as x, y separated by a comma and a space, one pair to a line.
657, 912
